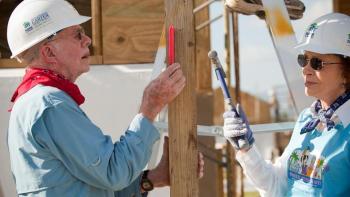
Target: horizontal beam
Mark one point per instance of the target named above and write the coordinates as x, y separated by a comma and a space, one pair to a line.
208, 22
204, 5
217, 131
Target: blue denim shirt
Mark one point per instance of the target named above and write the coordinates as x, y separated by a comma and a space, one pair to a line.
55, 150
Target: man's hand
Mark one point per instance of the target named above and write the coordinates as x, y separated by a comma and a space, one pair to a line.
162, 90
160, 175
237, 128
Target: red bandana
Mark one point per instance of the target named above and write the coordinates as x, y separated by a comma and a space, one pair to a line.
35, 76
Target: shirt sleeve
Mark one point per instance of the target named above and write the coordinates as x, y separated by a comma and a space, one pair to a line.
91, 156
132, 190
270, 179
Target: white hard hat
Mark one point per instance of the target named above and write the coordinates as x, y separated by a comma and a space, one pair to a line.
328, 34
34, 20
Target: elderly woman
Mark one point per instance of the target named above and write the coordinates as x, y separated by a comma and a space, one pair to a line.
316, 161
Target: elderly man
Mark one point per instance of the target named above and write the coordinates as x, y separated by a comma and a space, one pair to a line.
55, 149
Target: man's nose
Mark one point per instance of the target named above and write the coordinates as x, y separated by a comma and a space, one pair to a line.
86, 41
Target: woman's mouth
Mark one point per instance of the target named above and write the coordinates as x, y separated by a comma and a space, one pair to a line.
309, 83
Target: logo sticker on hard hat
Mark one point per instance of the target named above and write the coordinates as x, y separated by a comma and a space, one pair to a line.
311, 31
27, 27
348, 38
36, 22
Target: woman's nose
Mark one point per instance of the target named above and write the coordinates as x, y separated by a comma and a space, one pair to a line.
307, 70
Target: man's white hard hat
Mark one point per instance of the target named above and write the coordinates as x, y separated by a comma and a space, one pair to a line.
328, 34
35, 20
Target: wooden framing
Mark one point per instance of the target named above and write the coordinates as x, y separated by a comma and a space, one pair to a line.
212, 183
238, 171
231, 161
10, 63
96, 31
13, 63
182, 111
342, 6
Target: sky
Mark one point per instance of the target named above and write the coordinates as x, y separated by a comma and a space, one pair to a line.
259, 67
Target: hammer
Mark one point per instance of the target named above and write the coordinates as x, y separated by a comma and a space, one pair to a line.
220, 75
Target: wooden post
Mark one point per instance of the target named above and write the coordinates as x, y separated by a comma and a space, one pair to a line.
96, 30
212, 183
231, 161
239, 172
236, 56
183, 151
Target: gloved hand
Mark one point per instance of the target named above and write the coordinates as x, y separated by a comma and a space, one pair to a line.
237, 130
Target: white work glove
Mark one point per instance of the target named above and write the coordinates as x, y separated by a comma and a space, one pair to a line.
237, 130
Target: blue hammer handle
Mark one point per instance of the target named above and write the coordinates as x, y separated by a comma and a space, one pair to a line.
240, 141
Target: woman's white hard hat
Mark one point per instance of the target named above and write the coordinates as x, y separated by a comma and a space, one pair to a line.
328, 34
32, 21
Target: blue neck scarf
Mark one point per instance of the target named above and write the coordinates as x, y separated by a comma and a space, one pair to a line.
323, 115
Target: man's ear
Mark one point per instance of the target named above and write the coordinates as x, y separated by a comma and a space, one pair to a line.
47, 53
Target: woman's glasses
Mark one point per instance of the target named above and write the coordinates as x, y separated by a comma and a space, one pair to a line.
315, 63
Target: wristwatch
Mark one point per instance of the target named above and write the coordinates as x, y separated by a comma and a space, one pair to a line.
146, 184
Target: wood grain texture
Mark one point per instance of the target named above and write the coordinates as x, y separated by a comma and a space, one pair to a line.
202, 48
342, 6
182, 111
96, 27
10, 63
131, 30
212, 183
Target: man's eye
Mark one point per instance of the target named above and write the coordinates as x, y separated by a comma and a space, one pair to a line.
79, 36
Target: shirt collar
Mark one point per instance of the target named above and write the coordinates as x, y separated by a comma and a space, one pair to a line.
343, 112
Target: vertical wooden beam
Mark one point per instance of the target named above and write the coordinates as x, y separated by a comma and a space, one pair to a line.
96, 30
231, 161
227, 46
182, 111
239, 172
236, 56
212, 183
202, 48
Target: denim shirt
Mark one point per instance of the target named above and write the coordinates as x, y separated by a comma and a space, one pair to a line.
55, 150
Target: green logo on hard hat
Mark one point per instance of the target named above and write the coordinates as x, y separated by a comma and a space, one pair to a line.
348, 38
311, 31
27, 27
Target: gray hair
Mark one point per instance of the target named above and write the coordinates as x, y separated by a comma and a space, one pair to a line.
31, 54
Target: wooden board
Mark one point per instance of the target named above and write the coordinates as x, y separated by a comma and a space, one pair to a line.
202, 48
342, 6
212, 183
182, 111
131, 30
6, 8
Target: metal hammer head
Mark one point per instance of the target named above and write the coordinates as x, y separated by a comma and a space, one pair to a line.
213, 55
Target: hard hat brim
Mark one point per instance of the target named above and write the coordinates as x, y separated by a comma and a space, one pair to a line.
306, 46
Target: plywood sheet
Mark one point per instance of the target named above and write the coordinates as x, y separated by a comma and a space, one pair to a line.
131, 30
